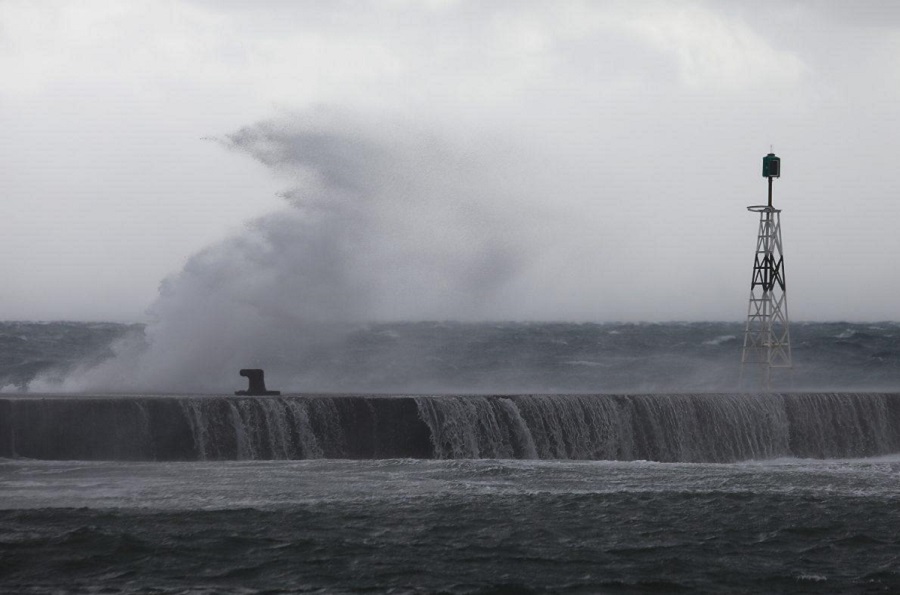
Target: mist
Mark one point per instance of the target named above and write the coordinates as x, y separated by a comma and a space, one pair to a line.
380, 223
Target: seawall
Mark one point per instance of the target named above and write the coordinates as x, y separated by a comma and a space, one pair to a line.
690, 428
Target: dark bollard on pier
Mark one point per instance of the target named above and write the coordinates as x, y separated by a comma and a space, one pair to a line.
257, 386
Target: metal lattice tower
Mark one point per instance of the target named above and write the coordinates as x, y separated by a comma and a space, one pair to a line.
767, 339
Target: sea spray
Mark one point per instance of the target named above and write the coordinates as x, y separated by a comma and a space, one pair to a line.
382, 223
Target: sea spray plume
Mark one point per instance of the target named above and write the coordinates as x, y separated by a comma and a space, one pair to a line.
265, 297
430, 222
383, 224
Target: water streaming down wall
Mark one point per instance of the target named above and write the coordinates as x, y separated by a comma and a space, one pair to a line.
691, 428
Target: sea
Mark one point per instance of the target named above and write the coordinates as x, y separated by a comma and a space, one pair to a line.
489, 458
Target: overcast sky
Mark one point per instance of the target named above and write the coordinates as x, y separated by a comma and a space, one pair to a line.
516, 160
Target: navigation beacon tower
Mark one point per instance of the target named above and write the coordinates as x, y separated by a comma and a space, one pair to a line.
767, 339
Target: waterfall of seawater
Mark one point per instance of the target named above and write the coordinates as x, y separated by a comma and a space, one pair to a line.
690, 428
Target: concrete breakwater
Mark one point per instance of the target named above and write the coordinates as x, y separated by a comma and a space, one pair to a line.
660, 427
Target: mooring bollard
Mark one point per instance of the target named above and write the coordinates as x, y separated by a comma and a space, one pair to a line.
257, 384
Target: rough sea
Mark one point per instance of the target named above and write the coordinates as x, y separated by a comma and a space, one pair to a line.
489, 458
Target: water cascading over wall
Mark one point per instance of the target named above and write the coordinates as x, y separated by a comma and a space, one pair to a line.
688, 428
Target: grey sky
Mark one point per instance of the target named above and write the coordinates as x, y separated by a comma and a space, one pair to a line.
516, 160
